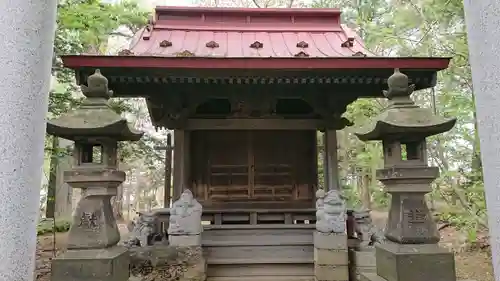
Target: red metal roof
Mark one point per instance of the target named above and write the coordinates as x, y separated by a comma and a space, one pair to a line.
237, 33
234, 38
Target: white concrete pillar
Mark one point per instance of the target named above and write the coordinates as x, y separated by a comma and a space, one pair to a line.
483, 19
27, 31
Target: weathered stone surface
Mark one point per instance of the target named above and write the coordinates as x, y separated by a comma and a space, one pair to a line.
143, 231
369, 276
330, 257
110, 264
410, 221
403, 115
331, 272
94, 117
365, 230
332, 241
331, 212
364, 262
365, 269
168, 263
397, 262
185, 215
94, 225
184, 240
365, 258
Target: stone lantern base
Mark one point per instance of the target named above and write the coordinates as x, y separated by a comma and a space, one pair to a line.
111, 264
412, 262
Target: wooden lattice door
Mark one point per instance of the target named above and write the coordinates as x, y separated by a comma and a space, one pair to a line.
253, 166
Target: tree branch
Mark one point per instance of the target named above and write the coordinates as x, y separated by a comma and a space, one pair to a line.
256, 3
121, 34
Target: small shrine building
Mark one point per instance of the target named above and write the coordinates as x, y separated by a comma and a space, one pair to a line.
245, 91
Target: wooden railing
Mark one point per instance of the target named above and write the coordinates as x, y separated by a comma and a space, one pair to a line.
255, 217
248, 216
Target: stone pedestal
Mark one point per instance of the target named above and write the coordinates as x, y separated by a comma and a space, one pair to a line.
92, 265
363, 255
410, 262
331, 257
95, 224
364, 261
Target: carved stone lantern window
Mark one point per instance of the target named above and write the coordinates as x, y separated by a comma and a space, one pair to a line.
401, 153
96, 153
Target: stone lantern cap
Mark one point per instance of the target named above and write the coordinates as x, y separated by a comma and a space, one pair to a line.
94, 118
402, 119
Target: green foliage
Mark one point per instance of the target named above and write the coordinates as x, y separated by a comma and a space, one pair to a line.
85, 26
47, 226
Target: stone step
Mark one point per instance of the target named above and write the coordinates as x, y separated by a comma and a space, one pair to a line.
211, 227
258, 271
233, 242
262, 278
252, 235
375, 277
291, 260
250, 239
259, 252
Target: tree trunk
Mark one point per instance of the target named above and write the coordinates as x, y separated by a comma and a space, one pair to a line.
365, 191
476, 164
117, 202
51, 189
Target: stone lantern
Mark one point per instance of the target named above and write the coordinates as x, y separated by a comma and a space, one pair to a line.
96, 129
412, 253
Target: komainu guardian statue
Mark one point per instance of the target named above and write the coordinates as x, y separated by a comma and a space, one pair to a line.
331, 212
185, 215
143, 231
365, 230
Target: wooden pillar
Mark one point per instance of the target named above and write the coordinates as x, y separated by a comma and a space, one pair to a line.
168, 173
167, 187
181, 162
330, 168
325, 163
